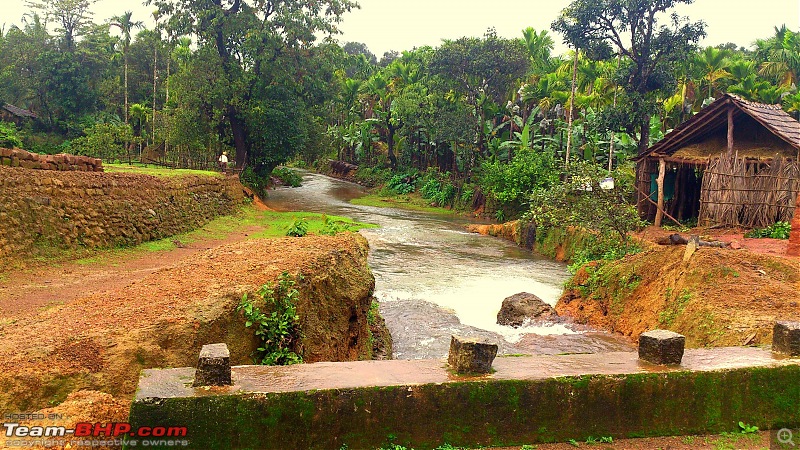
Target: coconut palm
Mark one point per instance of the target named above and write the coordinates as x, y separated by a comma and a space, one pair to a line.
781, 56
126, 25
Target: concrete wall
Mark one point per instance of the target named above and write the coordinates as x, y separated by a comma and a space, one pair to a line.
42, 209
68, 163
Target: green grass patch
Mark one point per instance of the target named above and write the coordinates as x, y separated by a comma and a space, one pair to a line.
157, 171
410, 202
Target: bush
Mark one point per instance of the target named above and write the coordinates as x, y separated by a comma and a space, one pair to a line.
581, 202
278, 331
251, 179
402, 183
778, 230
510, 184
103, 140
9, 137
438, 188
372, 176
287, 176
299, 228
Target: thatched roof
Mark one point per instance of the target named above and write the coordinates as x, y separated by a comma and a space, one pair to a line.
714, 118
19, 112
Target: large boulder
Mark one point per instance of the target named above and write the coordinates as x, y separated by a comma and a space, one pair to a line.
523, 306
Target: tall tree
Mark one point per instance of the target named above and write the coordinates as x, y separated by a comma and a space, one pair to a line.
72, 16
126, 25
649, 47
251, 38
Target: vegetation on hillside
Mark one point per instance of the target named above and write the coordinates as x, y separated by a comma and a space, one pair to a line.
477, 122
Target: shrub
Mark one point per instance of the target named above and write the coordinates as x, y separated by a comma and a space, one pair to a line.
278, 330
402, 183
332, 227
287, 176
438, 188
299, 228
9, 137
510, 184
778, 230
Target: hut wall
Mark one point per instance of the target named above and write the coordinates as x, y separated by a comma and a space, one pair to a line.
749, 193
644, 169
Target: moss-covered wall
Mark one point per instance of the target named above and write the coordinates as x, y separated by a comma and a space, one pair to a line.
486, 413
47, 208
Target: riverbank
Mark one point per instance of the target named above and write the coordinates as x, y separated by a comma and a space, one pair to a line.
718, 297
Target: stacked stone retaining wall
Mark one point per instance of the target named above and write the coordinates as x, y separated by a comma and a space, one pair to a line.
45, 209
63, 162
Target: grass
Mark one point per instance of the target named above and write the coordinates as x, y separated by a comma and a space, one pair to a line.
260, 224
157, 171
410, 202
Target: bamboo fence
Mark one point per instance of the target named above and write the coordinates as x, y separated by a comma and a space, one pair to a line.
749, 193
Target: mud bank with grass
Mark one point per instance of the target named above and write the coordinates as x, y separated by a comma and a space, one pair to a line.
101, 342
42, 211
719, 297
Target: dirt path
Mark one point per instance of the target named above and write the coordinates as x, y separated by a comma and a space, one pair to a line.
24, 293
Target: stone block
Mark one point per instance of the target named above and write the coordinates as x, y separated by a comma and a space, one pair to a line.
786, 338
471, 356
661, 347
213, 366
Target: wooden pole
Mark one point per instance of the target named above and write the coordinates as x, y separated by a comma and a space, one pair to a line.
662, 169
730, 129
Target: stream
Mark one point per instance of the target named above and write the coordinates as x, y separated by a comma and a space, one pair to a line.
433, 279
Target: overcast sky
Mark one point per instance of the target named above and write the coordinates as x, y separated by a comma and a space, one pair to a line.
404, 24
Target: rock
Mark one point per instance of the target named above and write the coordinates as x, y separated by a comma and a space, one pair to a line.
786, 338
736, 245
214, 366
520, 306
471, 356
661, 347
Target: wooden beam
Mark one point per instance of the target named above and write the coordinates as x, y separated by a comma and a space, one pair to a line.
730, 130
662, 169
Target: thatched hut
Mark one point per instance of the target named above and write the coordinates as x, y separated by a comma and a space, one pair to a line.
11, 113
734, 163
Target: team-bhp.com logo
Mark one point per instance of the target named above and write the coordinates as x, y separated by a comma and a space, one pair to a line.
112, 430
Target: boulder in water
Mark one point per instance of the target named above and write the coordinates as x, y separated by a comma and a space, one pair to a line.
523, 306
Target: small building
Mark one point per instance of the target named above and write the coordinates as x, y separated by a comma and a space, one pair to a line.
11, 113
734, 163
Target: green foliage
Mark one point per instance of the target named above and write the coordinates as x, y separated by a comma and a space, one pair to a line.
511, 183
287, 176
103, 140
257, 183
9, 137
674, 306
747, 429
277, 326
580, 201
600, 248
333, 227
778, 230
372, 176
299, 228
438, 188
402, 183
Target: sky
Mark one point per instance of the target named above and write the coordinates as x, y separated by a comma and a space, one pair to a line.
399, 25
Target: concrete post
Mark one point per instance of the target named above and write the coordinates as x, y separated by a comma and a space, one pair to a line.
471, 356
786, 338
213, 367
661, 347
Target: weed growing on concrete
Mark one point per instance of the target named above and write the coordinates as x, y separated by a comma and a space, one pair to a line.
278, 330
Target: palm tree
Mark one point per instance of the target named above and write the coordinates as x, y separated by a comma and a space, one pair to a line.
781, 56
539, 46
126, 25
714, 63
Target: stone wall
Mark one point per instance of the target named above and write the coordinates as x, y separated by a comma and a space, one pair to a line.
43, 209
794, 236
63, 162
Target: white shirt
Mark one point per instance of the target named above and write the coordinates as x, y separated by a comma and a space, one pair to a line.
223, 159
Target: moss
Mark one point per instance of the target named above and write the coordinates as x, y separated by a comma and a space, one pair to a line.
491, 413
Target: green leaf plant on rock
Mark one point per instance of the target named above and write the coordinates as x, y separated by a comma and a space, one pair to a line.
278, 329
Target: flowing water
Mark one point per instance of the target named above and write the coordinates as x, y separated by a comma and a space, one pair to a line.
433, 279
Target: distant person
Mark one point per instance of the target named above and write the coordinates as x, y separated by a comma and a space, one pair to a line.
223, 161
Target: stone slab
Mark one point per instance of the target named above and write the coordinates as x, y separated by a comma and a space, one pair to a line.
470, 355
213, 366
661, 347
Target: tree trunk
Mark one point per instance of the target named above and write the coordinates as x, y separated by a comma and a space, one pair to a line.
390, 143
662, 167
644, 133
126, 86
239, 136
571, 107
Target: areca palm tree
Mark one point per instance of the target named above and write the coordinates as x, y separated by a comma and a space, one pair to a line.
539, 45
125, 23
714, 63
781, 56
